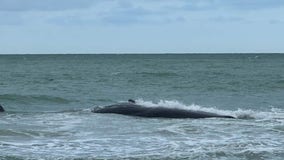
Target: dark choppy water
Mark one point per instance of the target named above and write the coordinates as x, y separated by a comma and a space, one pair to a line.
48, 99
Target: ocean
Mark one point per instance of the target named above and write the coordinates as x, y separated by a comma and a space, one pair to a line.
48, 101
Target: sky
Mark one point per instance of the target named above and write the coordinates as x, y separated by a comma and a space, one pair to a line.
141, 26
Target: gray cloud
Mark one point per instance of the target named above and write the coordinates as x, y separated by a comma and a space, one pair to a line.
198, 5
43, 5
276, 22
207, 5
223, 19
127, 15
252, 4
177, 5
126, 12
142, 12
13, 18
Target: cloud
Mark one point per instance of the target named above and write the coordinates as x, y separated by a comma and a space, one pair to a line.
276, 22
13, 18
169, 11
203, 5
119, 13
223, 19
251, 4
128, 12
43, 5
158, 5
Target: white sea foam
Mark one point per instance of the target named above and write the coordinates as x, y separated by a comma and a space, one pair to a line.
72, 135
274, 113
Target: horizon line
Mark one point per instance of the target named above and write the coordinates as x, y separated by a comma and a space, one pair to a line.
141, 53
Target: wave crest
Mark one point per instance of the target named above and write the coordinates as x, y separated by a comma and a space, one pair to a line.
274, 113
28, 99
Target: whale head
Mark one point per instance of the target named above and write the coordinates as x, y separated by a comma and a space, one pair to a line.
1, 108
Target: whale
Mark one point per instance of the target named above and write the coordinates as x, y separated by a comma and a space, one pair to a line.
1, 109
132, 109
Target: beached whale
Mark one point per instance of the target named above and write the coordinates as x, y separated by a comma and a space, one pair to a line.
133, 109
1, 109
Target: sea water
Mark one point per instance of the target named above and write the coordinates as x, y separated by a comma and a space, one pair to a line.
48, 101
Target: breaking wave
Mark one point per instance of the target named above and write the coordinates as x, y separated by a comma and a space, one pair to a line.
274, 113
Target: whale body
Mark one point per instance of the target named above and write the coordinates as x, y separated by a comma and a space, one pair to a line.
132, 109
1, 109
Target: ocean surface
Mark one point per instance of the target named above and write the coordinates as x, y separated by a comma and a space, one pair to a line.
48, 101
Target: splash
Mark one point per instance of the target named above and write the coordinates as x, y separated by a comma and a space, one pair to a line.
274, 113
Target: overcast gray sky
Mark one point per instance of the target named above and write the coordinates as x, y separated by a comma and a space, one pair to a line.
141, 26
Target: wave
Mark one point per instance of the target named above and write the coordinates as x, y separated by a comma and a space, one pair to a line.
28, 99
274, 113
146, 74
157, 74
79, 111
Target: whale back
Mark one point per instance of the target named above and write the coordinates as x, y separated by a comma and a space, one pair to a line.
160, 112
121, 108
